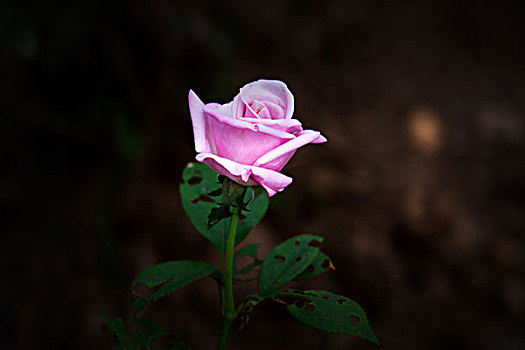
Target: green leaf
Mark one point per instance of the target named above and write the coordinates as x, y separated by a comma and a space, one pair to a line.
327, 312
216, 193
170, 276
251, 251
321, 263
286, 261
199, 182
222, 211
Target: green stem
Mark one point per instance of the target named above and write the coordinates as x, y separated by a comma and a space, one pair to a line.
224, 334
229, 303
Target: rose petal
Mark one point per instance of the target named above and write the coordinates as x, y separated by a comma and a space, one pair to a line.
283, 123
274, 132
246, 175
214, 110
273, 91
199, 123
225, 109
238, 140
320, 139
267, 160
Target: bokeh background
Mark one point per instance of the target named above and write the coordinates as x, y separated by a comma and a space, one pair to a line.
419, 193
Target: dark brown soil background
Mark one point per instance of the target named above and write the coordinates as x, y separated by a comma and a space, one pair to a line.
419, 193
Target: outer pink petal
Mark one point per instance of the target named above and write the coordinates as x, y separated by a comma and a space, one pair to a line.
320, 139
246, 175
213, 110
304, 138
199, 123
284, 123
261, 125
238, 140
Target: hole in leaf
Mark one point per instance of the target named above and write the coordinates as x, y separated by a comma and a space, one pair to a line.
299, 303
354, 319
310, 268
151, 278
326, 264
298, 259
279, 258
242, 217
325, 297
341, 301
310, 307
314, 243
194, 180
286, 300
203, 198
297, 242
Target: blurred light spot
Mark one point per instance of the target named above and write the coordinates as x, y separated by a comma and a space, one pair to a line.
425, 131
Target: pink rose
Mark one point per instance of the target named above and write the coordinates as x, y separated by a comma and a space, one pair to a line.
251, 138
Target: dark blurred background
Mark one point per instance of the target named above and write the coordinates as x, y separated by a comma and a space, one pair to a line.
419, 193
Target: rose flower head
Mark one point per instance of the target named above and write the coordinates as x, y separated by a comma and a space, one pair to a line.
251, 138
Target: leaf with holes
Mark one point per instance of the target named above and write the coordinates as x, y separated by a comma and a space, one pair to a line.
321, 263
168, 276
327, 312
198, 185
286, 261
251, 251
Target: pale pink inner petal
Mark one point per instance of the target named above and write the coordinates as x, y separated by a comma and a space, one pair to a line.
275, 88
252, 93
257, 109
